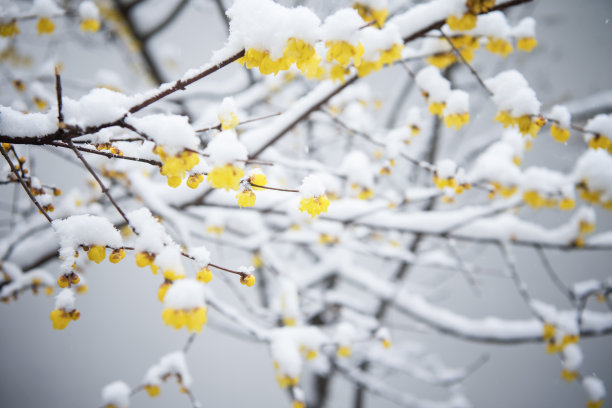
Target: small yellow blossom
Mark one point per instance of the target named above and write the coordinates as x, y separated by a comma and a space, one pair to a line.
45, 26
152, 390
285, 381
162, 290
90, 24
344, 351
386, 343
204, 275
464, 23
442, 60
499, 46
246, 198
599, 142
96, 253
39, 103
172, 275
298, 404
248, 280
60, 318
192, 319
558, 133
437, 108
194, 180
9, 29
63, 281
526, 43
342, 52
567, 204
548, 331
144, 259
229, 121
116, 256
594, 404
227, 177
314, 205
369, 14
258, 179
568, 375
456, 119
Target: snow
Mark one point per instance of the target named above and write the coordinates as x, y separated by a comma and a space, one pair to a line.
343, 25
431, 81
185, 294
423, 15
312, 187
116, 393
17, 124
225, 148
562, 115
65, 300
493, 24
458, 101
572, 357
375, 40
600, 125
169, 258
595, 167
173, 132
445, 168
86, 230
88, 10
525, 28
151, 234
201, 255
173, 363
586, 287
357, 168
46, 8
594, 388
345, 334
544, 180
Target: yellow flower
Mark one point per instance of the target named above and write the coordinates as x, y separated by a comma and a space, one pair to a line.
337, 73
289, 321
171, 275
248, 280
96, 253
116, 256
548, 331
314, 205
499, 46
229, 121
526, 43
163, 289
204, 275
442, 60
599, 142
298, 404
90, 24
594, 404
285, 381
342, 52
436, 108
144, 259
568, 375
9, 29
60, 318
442, 183
258, 179
194, 180
63, 281
528, 126
152, 390
344, 351
256, 261
560, 134
369, 14
464, 23
192, 319
386, 343
45, 26
227, 177
566, 204
246, 198
39, 102
457, 120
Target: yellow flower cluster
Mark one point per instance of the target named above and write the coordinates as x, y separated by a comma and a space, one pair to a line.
465, 22
229, 121
526, 43
175, 166
285, 381
45, 26
387, 57
450, 182
457, 120
247, 280
194, 180
568, 375
536, 200
246, 198
66, 280
227, 177
96, 253
9, 29
60, 318
369, 14
465, 44
560, 134
204, 275
499, 46
599, 142
314, 205
593, 196
296, 51
90, 24
526, 124
192, 319
146, 259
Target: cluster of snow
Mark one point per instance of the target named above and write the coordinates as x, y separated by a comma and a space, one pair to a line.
595, 168
572, 357
493, 24
201, 255
185, 294
343, 25
446, 168
345, 334
18, 124
594, 388
600, 125
434, 84
312, 187
170, 364
225, 148
511, 93
266, 25
525, 28
423, 15
458, 101
173, 132
65, 300
374, 40
357, 168
88, 10
46, 8
151, 236
116, 394
546, 181
98, 106
169, 258
562, 115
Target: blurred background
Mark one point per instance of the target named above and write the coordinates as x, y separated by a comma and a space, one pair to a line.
120, 334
